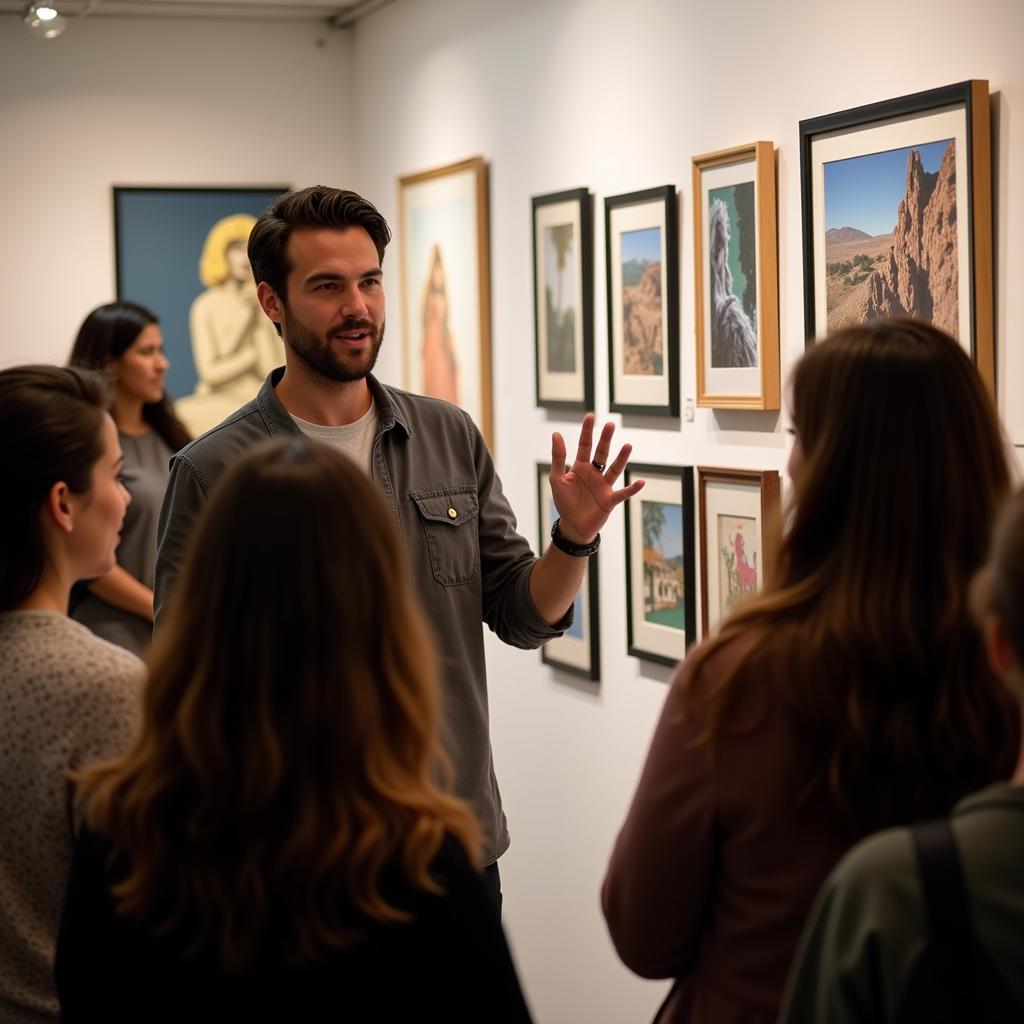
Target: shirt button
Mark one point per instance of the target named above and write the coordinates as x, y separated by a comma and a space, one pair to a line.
452, 514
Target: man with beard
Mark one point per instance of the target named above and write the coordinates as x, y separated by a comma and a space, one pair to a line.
316, 255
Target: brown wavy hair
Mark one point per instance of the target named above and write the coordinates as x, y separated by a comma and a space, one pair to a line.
289, 751
863, 628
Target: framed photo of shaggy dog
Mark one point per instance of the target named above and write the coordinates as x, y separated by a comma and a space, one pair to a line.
897, 207
736, 276
739, 521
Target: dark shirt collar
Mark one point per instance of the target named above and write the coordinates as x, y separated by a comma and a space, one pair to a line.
279, 420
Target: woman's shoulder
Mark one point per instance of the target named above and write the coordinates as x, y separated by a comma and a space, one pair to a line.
50, 645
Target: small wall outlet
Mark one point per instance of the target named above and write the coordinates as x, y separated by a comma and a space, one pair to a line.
688, 410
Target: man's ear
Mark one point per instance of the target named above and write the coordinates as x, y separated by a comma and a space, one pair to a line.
270, 303
58, 507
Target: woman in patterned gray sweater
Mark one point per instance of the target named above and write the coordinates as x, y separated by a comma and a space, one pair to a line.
67, 698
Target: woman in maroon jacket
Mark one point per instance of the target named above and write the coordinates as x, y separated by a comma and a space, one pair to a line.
851, 695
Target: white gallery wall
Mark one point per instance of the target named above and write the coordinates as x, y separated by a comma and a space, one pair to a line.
146, 102
558, 94
555, 94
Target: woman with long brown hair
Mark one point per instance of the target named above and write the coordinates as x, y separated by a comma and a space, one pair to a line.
123, 341
851, 695
277, 841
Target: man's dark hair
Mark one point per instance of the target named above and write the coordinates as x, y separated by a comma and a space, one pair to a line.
315, 207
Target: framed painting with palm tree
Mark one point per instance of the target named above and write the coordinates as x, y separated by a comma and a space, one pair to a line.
661, 619
578, 649
563, 299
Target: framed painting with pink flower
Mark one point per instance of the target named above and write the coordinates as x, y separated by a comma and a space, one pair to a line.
739, 521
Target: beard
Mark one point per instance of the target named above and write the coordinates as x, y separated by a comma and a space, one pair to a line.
324, 360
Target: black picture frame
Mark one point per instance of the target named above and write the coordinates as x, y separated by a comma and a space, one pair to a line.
658, 396
972, 97
649, 639
565, 388
580, 656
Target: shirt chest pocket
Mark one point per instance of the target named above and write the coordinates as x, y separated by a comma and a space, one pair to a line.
449, 521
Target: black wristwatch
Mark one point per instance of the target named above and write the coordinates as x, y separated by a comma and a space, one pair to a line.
578, 550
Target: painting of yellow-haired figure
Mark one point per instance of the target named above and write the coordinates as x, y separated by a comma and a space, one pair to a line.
182, 253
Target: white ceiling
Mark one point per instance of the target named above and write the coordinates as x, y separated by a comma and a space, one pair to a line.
337, 12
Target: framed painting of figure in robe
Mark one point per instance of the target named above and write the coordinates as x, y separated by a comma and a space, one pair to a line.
444, 241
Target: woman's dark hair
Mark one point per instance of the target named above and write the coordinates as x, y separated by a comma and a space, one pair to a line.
315, 207
289, 739
50, 431
105, 334
864, 627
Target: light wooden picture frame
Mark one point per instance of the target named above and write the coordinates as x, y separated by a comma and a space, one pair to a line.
739, 521
444, 248
736, 278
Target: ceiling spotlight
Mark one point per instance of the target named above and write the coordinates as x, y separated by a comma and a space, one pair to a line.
44, 20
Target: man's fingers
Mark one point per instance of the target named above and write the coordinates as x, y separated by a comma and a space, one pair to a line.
616, 468
586, 438
618, 497
604, 444
557, 454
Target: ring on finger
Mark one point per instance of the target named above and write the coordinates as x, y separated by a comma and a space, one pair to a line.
599, 466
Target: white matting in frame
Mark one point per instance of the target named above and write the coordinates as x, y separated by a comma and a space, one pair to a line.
560, 385
895, 134
729, 380
632, 388
660, 566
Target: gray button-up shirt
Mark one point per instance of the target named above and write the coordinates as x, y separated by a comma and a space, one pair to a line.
429, 460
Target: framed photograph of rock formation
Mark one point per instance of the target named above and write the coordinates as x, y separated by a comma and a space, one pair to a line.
659, 564
181, 252
897, 212
736, 278
642, 260
563, 299
739, 521
578, 649
446, 286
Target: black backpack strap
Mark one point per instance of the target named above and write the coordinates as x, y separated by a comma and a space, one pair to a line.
951, 937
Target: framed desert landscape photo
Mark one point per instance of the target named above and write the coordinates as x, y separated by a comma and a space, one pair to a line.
563, 299
182, 253
739, 517
897, 212
642, 260
659, 564
736, 278
578, 649
446, 286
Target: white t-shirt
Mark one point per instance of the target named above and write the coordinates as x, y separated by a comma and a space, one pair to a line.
353, 439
